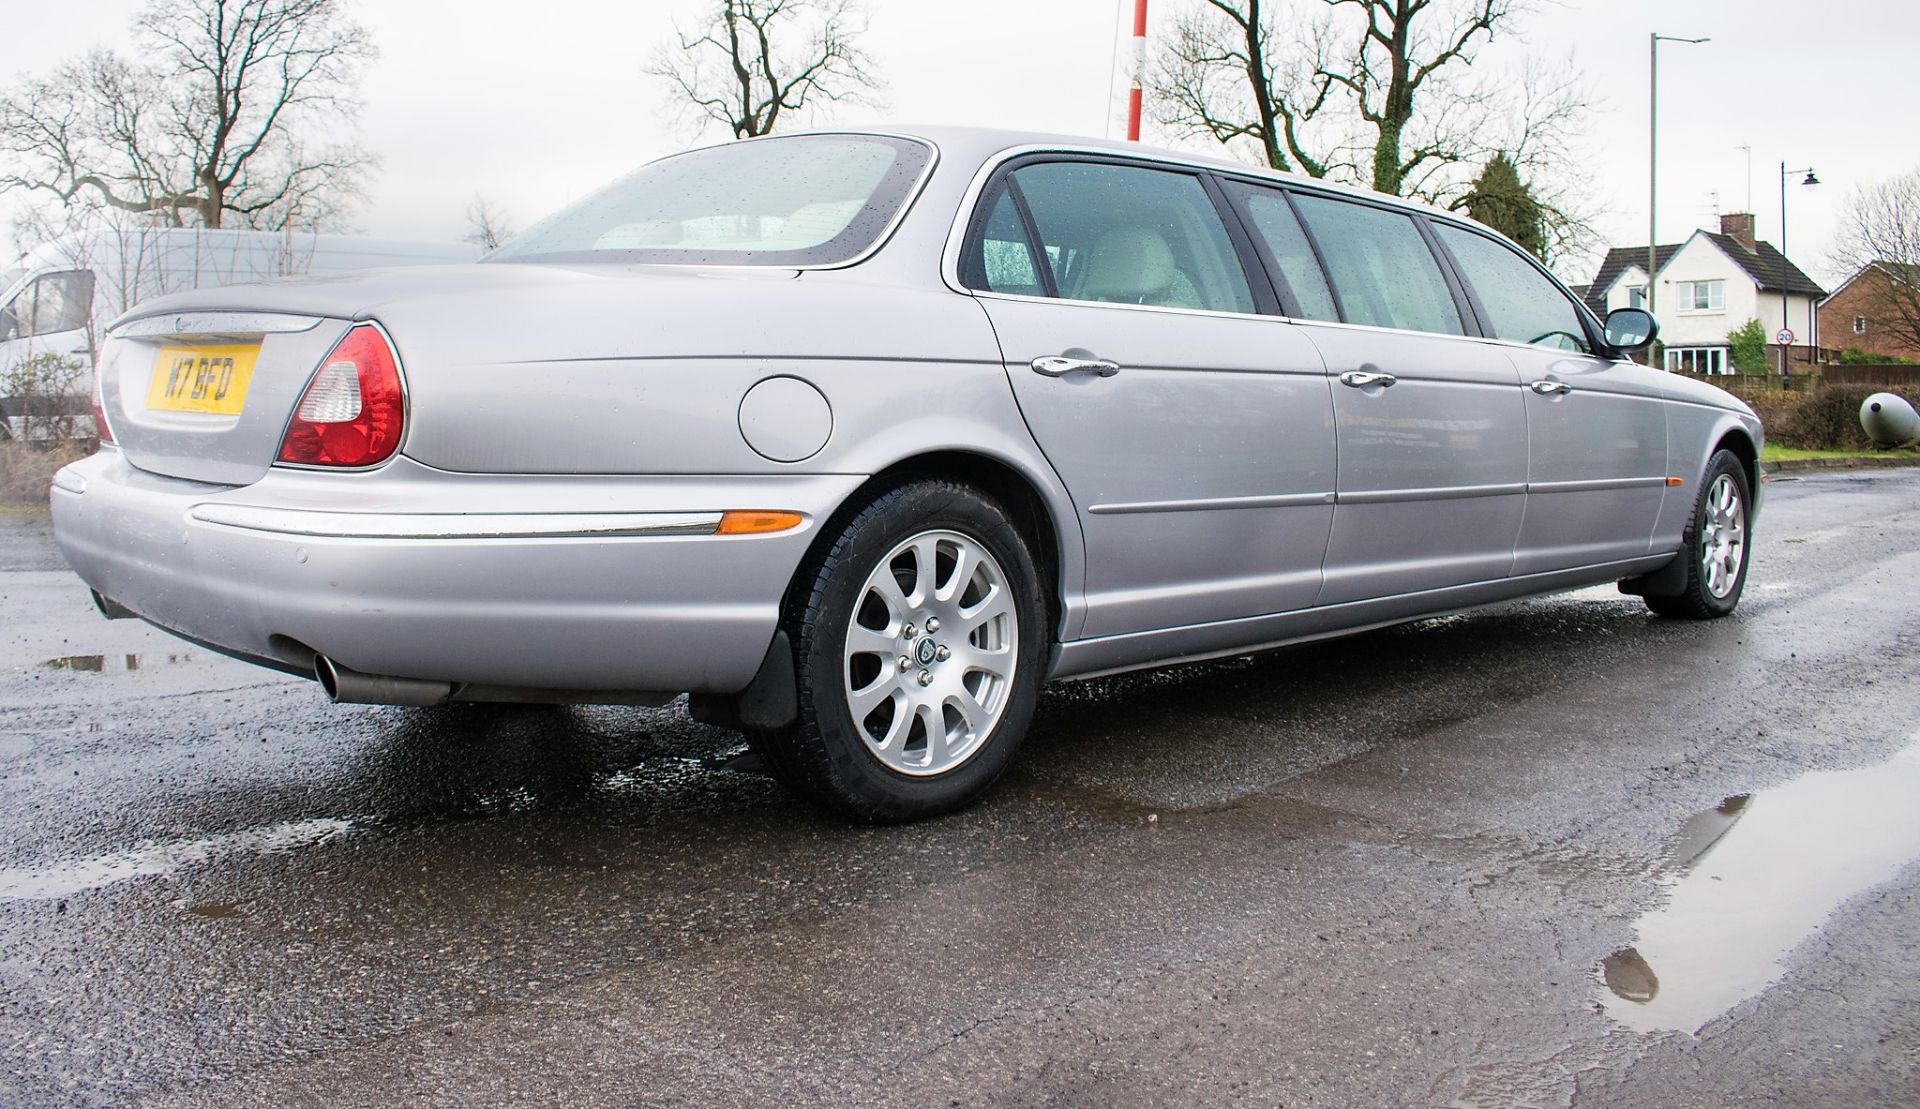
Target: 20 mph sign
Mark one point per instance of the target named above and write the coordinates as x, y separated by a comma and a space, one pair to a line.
1784, 336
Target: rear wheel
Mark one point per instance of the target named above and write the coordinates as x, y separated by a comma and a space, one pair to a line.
918, 640
1716, 545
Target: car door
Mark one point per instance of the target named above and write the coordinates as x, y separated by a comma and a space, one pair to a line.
1194, 434
46, 352
1596, 427
1431, 431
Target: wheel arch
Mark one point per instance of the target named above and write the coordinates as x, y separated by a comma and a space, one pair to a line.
1043, 515
1740, 441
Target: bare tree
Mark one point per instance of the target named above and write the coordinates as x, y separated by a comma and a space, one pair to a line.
745, 71
222, 118
1378, 92
1222, 75
487, 225
1880, 228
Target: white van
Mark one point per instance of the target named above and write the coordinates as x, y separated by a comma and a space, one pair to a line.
62, 296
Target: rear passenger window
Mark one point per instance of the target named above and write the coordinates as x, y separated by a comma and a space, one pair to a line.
1381, 269
1521, 304
1274, 222
1000, 260
1128, 235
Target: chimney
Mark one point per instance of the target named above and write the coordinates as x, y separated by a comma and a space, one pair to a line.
1740, 226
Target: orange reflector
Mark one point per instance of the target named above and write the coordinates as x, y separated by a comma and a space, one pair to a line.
1673, 481
756, 523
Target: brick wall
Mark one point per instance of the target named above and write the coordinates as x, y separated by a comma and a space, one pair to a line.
1861, 299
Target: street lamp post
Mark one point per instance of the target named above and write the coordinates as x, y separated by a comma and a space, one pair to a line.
1653, 154
1786, 327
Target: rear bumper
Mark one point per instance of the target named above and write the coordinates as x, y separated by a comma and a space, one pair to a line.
588, 583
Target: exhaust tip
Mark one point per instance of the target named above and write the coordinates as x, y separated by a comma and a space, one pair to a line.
327, 675
346, 686
111, 609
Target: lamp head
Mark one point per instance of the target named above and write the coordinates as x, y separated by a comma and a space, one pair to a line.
1811, 181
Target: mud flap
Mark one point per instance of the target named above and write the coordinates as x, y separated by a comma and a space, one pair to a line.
770, 701
1668, 581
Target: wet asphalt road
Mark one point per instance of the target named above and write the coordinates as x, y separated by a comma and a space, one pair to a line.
1554, 853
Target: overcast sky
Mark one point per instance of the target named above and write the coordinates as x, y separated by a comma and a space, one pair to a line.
533, 105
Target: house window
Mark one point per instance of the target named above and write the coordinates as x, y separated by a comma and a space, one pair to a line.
1637, 296
1703, 296
1859, 325
1698, 360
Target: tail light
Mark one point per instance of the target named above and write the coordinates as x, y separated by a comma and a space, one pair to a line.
101, 429
353, 410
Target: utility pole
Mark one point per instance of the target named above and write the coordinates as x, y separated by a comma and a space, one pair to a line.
1139, 69
1786, 328
1653, 156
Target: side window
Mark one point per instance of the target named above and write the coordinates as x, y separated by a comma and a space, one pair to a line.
1273, 220
1381, 268
1522, 305
61, 302
999, 259
1128, 235
17, 317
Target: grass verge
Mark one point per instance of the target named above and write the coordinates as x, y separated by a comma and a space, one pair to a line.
1774, 453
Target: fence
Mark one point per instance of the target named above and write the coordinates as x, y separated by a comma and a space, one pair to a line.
1898, 379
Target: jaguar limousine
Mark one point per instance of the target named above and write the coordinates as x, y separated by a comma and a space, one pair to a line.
859, 438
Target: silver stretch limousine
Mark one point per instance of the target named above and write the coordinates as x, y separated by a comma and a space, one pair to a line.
859, 438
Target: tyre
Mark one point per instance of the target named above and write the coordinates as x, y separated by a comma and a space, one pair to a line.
919, 635
1716, 546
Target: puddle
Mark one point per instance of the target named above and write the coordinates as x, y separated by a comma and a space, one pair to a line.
66, 878
1754, 877
98, 664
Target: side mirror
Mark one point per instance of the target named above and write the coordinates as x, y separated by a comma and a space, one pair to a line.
1631, 329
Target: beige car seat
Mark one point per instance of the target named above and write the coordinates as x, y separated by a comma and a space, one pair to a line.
1134, 265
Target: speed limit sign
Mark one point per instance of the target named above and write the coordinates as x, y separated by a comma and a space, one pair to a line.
1784, 337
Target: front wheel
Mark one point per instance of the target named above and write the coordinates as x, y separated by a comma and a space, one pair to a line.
1716, 545
918, 641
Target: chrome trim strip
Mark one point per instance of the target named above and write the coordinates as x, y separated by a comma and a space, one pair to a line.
1444, 493
448, 525
1449, 599
1595, 484
1282, 500
185, 325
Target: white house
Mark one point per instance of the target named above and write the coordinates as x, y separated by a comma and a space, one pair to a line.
1709, 285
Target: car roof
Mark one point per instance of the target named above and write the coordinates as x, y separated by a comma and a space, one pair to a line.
972, 146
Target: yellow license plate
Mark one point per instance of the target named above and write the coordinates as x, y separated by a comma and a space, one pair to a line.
202, 378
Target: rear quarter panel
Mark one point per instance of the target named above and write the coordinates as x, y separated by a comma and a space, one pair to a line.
647, 377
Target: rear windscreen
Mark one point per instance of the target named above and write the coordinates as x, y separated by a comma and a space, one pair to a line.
807, 200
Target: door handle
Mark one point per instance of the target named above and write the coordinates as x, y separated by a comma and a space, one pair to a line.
1060, 365
1549, 388
1360, 379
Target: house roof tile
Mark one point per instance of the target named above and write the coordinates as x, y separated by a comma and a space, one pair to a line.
1770, 270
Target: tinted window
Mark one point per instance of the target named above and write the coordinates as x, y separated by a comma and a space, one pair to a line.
805, 200
1273, 220
1381, 268
1126, 235
1521, 303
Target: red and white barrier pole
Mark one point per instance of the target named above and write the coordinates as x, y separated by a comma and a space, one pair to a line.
1139, 69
